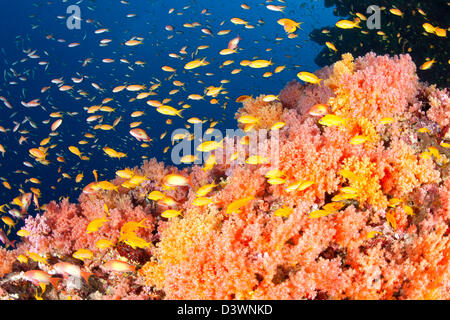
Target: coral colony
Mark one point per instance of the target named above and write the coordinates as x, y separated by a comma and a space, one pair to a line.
358, 207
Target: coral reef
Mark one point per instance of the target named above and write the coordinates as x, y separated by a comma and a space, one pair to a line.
396, 34
357, 209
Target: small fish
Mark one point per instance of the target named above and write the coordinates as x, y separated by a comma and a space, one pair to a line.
235, 206
75, 151
247, 119
331, 46
373, 234
156, 195
283, 212
257, 64
170, 213
202, 201
175, 180
276, 181
319, 213
204, 190
118, 266
393, 202
96, 224
256, 159
424, 130
387, 120
309, 77
396, 12
440, 32
208, 146
238, 21
278, 125
358, 139
274, 173
195, 64
429, 28
140, 134
104, 244
408, 210
427, 65
83, 254
270, 98
391, 220
347, 24
318, 110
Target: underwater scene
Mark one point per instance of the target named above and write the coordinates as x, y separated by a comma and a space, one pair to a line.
224, 150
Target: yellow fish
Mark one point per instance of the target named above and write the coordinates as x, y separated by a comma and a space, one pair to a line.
75, 151
347, 24
257, 64
331, 46
104, 244
331, 120
202, 201
83, 254
276, 181
319, 213
391, 220
195, 64
256, 159
204, 190
170, 111
96, 224
427, 65
278, 125
372, 234
429, 28
387, 120
208, 146
247, 119
396, 12
358, 139
283, 212
171, 213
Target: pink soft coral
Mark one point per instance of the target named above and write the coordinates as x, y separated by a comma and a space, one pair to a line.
368, 247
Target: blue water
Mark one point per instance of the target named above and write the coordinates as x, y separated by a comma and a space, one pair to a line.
26, 24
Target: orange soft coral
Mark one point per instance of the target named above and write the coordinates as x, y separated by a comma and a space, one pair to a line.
267, 113
404, 170
373, 86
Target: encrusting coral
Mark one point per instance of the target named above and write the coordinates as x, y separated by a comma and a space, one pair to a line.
358, 207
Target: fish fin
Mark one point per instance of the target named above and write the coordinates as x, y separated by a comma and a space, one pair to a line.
85, 275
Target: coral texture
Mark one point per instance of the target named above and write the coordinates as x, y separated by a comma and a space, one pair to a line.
357, 209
